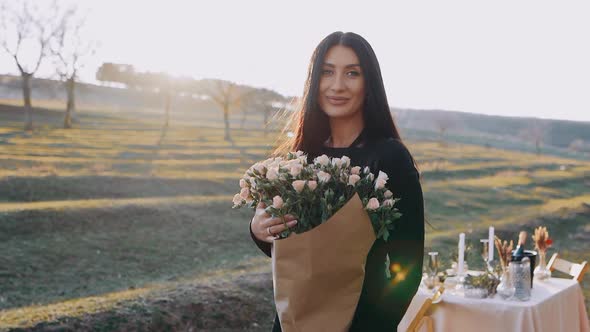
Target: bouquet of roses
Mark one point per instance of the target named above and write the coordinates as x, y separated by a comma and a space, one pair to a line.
319, 265
314, 192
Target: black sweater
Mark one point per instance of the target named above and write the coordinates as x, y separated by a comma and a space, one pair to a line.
384, 301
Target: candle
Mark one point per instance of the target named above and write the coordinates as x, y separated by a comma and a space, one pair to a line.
461, 254
491, 244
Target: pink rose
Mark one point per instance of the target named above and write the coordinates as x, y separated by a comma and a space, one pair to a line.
323, 176
356, 170
312, 185
353, 179
243, 183
298, 185
388, 194
244, 193
380, 184
277, 202
373, 204
388, 202
237, 199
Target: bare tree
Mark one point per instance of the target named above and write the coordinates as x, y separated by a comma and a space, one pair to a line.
25, 25
535, 133
227, 96
69, 49
443, 123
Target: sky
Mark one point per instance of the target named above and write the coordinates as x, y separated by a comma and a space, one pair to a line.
511, 58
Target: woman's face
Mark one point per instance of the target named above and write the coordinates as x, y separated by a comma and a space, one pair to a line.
342, 85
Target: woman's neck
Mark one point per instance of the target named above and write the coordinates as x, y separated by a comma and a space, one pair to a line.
345, 130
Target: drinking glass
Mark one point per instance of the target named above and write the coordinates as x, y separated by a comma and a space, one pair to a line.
432, 269
485, 253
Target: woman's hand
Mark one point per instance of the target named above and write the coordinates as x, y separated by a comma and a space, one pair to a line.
266, 228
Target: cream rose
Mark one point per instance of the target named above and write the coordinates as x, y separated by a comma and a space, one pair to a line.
323, 176
277, 202
353, 179
298, 185
373, 204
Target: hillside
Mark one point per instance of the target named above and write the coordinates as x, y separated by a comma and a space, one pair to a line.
119, 225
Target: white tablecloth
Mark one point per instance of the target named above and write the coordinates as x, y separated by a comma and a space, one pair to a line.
555, 305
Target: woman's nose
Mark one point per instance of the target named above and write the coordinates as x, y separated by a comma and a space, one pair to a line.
338, 83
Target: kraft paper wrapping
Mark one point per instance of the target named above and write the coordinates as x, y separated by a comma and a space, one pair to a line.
318, 275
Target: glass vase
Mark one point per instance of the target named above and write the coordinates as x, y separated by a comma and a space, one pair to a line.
505, 288
542, 272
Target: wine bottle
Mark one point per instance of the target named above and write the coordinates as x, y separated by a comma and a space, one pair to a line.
519, 252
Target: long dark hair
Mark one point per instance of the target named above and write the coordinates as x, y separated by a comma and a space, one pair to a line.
310, 125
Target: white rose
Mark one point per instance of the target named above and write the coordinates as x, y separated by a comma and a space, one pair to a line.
296, 169
382, 175
336, 162
373, 204
388, 194
298, 185
323, 176
356, 170
299, 153
260, 168
322, 160
243, 183
345, 161
353, 179
272, 173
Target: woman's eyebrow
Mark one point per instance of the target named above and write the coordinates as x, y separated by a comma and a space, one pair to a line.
347, 66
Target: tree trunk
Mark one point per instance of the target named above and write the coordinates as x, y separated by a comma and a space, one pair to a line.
71, 105
167, 102
26, 85
226, 120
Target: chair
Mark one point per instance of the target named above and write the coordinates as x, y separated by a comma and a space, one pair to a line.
573, 269
421, 318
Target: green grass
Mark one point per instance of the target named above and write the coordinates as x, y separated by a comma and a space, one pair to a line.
115, 210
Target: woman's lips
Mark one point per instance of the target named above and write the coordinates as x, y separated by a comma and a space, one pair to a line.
338, 100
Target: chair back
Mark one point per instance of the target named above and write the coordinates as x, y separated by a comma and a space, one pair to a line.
421, 319
573, 269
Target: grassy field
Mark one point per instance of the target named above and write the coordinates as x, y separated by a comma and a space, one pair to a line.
116, 221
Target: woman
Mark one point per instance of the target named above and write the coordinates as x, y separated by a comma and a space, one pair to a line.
345, 112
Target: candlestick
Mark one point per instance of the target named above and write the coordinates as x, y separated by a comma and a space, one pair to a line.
491, 244
461, 257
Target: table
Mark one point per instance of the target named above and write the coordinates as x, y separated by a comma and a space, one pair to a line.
556, 304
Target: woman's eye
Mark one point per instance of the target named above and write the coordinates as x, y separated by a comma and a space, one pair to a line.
327, 72
354, 73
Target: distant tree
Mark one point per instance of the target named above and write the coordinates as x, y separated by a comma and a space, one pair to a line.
535, 133
69, 49
116, 73
579, 145
26, 25
443, 122
227, 95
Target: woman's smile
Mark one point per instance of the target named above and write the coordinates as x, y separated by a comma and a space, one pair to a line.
337, 101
